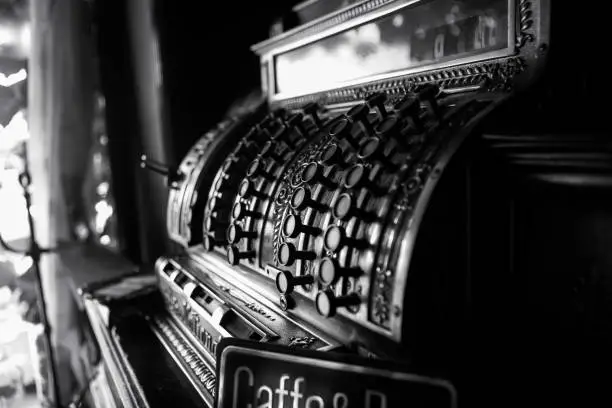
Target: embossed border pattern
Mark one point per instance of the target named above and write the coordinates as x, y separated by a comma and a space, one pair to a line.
313, 29
496, 75
189, 357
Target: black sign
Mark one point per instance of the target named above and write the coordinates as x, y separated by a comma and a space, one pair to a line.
253, 375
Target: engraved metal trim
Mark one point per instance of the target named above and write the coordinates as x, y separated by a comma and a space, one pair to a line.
220, 272
181, 200
171, 337
494, 75
289, 183
245, 304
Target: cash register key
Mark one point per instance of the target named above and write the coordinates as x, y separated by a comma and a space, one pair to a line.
373, 148
286, 282
268, 152
410, 107
333, 155
279, 113
284, 135
214, 203
240, 211
359, 114
220, 213
229, 167
235, 233
345, 208
218, 203
393, 127
257, 135
427, 93
234, 255
335, 239
222, 184
266, 121
311, 110
247, 189
292, 227
302, 199
215, 226
219, 207
314, 173
327, 303
288, 254
377, 102
329, 271
246, 149
210, 243
228, 163
296, 121
357, 176
389, 128
257, 168
341, 130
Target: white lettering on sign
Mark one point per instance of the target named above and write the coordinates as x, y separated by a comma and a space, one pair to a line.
317, 399
291, 394
281, 391
375, 399
235, 395
340, 400
268, 403
295, 394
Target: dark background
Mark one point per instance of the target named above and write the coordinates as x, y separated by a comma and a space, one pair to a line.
206, 64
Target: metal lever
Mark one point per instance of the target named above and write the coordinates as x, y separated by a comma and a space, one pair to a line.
173, 175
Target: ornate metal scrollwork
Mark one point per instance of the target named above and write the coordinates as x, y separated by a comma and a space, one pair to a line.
301, 342
291, 181
494, 75
525, 23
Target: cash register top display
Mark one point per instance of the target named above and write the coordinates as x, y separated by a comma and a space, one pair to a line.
414, 38
384, 41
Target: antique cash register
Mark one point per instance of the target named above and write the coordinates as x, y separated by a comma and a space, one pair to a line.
371, 203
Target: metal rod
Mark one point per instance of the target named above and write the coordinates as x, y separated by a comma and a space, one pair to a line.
35, 252
152, 165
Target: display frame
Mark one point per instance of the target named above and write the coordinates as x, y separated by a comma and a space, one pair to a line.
318, 31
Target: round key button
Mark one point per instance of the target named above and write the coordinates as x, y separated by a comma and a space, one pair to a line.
333, 238
343, 207
288, 254
329, 271
286, 282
